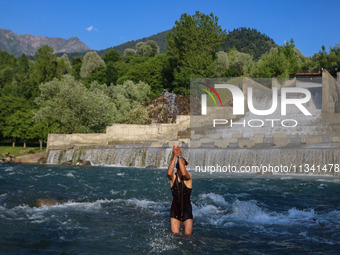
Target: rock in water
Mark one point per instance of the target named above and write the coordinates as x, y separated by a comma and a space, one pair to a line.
82, 163
46, 202
8, 159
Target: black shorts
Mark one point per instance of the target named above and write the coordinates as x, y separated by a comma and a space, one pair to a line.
175, 212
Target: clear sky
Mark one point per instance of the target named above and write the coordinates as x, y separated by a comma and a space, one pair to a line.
103, 24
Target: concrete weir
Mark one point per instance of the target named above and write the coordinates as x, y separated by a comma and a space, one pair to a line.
310, 160
314, 143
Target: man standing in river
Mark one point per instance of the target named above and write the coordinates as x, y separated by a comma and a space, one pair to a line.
181, 186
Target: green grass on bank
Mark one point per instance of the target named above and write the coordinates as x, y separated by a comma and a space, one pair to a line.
18, 150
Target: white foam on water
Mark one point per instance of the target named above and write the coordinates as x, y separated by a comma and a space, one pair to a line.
44, 175
87, 206
70, 175
113, 192
322, 186
305, 236
206, 210
317, 239
237, 195
298, 215
156, 207
140, 203
23, 212
329, 180
248, 211
9, 169
96, 205
162, 244
216, 211
215, 198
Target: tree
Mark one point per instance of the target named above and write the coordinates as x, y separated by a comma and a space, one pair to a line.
7, 68
154, 48
76, 65
108, 75
8, 106
323, 60
291, 55
156, 71
19, 125
192, 45
282, 62
129, 52
92, 63
128, 99
42, 128
74, 108
147, 49
63, 66
45, 65
125, 66
111, 74
272, 64
250, 41
6, 76
6, 59
239, 63
111, 56
22, 84
222, 63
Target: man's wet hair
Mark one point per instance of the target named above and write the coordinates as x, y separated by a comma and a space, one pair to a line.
185, 163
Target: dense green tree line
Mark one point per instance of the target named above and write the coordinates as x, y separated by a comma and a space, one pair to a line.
248, 41
85, 94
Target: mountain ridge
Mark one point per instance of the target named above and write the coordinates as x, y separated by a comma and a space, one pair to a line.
18, 44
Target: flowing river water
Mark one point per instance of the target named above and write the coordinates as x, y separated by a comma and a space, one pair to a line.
115, 210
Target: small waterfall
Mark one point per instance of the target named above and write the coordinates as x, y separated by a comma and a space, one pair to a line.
161, 157
298, 161
132, 157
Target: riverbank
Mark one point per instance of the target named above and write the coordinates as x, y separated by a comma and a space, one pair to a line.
21, 155
18, 150
34, 158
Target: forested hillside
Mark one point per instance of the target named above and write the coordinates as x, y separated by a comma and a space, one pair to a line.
159, 38
245, 40
248, 41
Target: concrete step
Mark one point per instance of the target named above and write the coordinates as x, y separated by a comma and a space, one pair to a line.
337, 107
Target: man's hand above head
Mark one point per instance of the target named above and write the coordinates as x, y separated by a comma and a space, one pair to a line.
176, 151
179, 152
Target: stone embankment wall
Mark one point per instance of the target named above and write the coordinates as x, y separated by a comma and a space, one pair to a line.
121, 134
330, 93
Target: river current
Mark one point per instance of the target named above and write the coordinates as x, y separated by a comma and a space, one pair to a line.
115, 210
